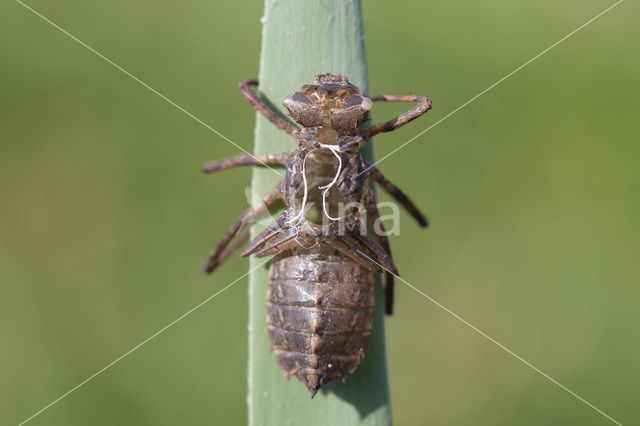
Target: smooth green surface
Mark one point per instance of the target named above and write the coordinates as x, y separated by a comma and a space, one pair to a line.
532, 191
301, 39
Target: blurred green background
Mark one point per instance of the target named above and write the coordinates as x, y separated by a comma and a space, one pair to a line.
532, 191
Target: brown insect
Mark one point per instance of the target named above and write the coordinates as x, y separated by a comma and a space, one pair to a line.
320, 298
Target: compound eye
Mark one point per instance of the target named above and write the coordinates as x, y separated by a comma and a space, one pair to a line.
352, 101
301, 97
351, 114
303, 110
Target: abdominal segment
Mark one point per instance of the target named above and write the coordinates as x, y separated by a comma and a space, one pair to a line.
320, 310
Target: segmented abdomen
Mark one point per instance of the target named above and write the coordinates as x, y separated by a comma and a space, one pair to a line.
320, 307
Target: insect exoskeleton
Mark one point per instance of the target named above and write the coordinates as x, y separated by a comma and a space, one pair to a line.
321, 292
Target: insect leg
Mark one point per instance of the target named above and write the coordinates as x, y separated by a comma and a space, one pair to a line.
220, 252
233, 246
400, 196
424, 105
245, 88
374, 217
246, 160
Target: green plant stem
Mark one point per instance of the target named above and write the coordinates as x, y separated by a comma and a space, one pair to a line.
302, 38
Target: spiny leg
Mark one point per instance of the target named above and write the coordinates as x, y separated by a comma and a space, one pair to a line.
424, 105
219, 253
374, 218
400, 196
233, 246
246, 160
245, 88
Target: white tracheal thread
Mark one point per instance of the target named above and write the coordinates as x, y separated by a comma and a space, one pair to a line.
298, 218
334, 150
